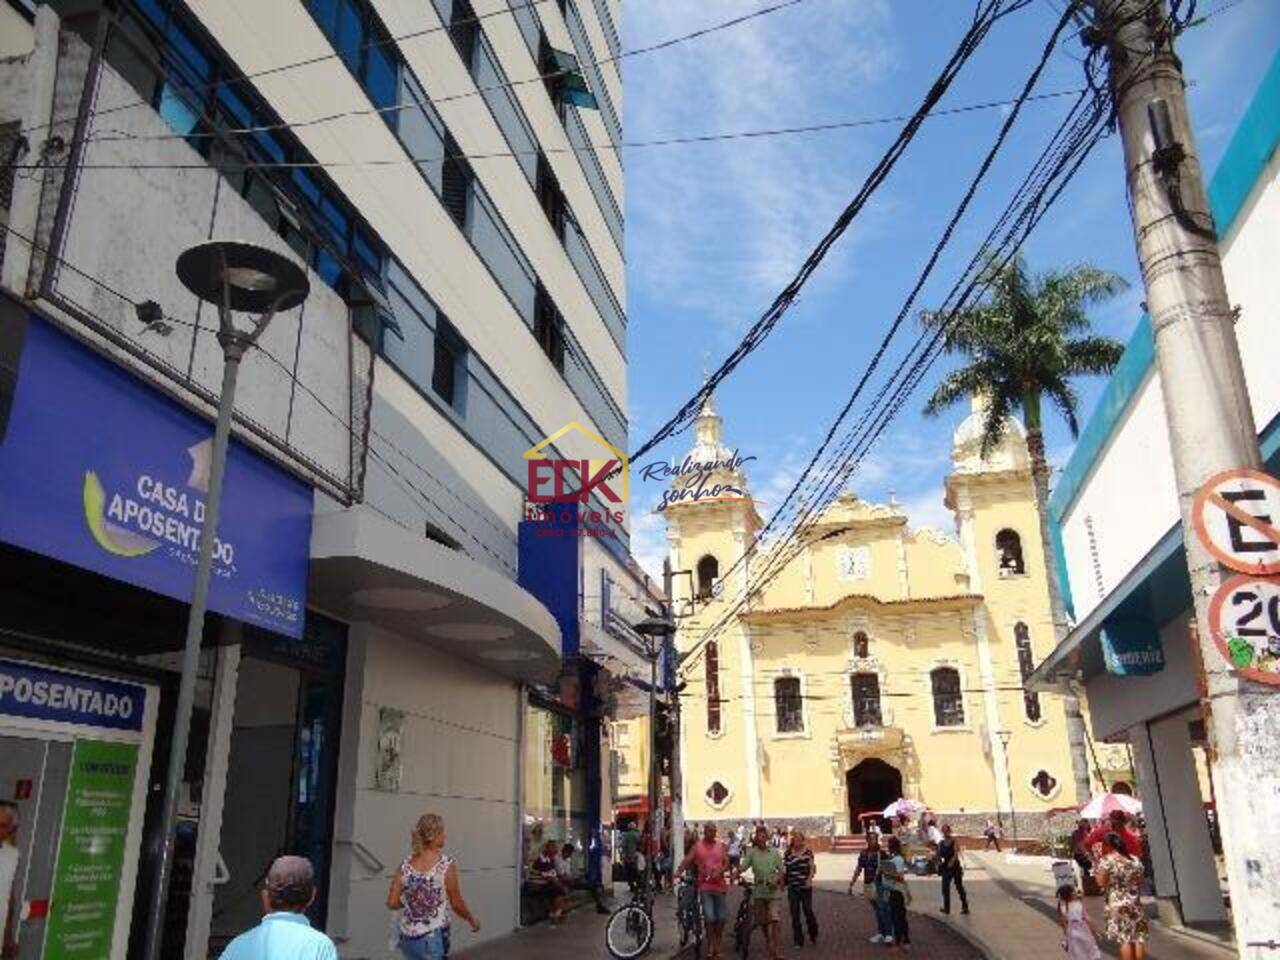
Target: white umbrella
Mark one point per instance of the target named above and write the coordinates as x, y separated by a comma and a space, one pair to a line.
1105, 804
903, 807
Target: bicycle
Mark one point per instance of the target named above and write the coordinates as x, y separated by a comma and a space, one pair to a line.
744, 922
629, 931
689, 912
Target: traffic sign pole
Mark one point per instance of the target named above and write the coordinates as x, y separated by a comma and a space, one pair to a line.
1209, 418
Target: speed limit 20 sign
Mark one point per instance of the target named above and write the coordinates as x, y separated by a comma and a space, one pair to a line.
1244, 618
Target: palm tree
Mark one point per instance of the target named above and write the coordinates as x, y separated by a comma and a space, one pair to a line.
1025, 343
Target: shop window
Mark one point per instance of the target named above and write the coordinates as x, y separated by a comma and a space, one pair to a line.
717, 794
555, 782
948, 701
1044, 784
1026, 665
866, 699
712, 658
708, 574
1009, 553
861, 645
788, 705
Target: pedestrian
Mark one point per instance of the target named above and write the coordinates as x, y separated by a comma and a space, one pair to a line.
574, 881
952, 870
873, 888
544, 877
1119, 873
765, 864
932, 833
735, 848
426, 888
1078, 936
285, 932
10, 820
1080, 848
630, 844
893, 873
711, 859
1117, 822
799, 868
992, 832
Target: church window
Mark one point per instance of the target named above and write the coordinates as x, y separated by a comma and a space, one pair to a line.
717, 794
788, 705
948, 702
861, 645
853, 563
713, 687
1009, 553
1026, 665
1044, 784
708, 573
866, 699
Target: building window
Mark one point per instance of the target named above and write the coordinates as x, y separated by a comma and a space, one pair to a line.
861, 645
1026, 665
548, 328
1009, 553
708, 573
455, 182
464, 29
853, 563
866, 700
363, 46
717, 794
1044, 784
551, 197
788, 705
713, 687
948, 702
448, 372
563, 78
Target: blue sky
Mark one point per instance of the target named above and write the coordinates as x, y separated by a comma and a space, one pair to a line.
715, 230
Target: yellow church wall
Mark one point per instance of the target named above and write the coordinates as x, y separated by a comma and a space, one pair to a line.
934, 564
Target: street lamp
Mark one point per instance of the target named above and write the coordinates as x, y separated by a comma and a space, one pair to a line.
236, 277
656, 630
1004, 736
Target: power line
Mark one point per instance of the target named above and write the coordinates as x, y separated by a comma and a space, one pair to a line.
397, 107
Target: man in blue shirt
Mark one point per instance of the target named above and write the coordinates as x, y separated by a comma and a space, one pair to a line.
285, 932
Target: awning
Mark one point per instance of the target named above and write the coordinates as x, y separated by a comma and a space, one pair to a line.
1156, 590
366, 569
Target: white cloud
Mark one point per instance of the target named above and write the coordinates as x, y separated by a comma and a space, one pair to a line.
927, 510
725, 225
649, 542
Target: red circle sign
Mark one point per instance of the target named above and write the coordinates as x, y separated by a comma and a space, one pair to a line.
1244, 620
1236, 515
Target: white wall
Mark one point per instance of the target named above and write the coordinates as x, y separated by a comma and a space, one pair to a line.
461, 756
1118, 703
1130, 496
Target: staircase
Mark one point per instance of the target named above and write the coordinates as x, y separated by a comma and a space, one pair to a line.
849, 843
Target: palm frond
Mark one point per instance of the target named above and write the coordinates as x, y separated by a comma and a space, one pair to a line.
977, 377
1067, 402
999, 410
1092, 355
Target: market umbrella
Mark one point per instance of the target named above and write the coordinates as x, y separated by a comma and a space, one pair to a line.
1105, 804
903, 807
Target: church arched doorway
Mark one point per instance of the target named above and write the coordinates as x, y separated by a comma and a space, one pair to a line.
871, 786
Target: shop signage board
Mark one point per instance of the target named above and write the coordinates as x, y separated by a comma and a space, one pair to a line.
102, 471
1244, 620
1132, 648
91, 850
1236, 515
38, 693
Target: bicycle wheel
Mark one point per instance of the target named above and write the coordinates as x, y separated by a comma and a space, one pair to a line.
629, 932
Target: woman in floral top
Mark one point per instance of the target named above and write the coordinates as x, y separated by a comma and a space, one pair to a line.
424, 889
1121, 876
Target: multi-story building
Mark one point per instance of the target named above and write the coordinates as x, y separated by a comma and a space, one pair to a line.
385, 636
881, 662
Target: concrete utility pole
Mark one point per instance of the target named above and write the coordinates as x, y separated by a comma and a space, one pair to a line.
1211, 427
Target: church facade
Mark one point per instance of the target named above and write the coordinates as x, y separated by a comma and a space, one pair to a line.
880, 661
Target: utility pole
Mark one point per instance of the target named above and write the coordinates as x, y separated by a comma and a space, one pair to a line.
677, 807
1210, 422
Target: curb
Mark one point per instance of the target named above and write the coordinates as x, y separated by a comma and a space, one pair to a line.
968, 935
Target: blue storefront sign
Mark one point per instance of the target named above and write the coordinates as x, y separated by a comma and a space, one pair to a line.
104, 472
39, 693
1132, 648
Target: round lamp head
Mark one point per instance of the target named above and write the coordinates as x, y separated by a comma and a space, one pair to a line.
257, 279
654, 627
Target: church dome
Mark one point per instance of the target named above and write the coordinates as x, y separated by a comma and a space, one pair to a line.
1009, 453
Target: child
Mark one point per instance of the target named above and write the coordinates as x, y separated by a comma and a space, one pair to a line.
1078, 934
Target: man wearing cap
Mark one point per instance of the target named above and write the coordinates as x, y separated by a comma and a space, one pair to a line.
285, 932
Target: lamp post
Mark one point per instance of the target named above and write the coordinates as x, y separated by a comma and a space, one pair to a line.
1004, 736
236, 277
656, 630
